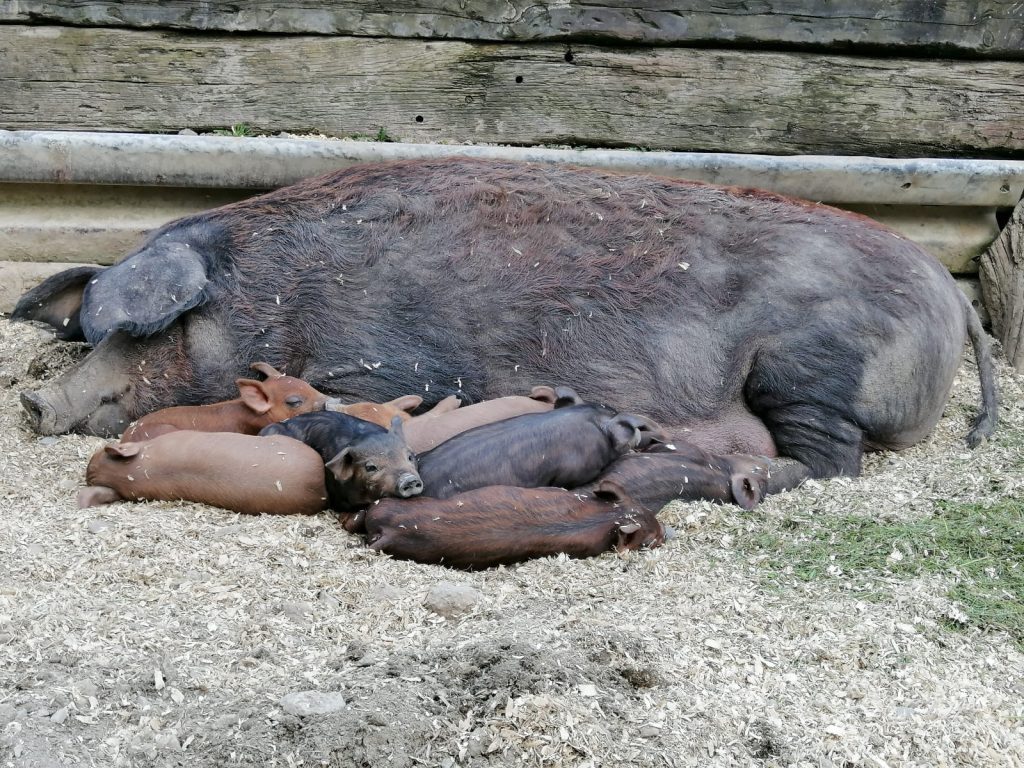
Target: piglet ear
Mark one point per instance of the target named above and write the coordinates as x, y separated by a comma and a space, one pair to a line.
449, 404
396, 426
610, 490
267, 370
631, 431
407, 403
626, 537
650, 432
254, 395
747, 490
566, 396
122, 450
544, 394
342, 466
623, 431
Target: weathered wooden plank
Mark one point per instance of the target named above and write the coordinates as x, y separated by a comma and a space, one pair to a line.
1002, 283
675, 99
993, 28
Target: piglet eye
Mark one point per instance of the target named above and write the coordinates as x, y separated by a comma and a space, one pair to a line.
293, 402
370, 466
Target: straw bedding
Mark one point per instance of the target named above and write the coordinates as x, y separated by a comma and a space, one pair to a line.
170, 634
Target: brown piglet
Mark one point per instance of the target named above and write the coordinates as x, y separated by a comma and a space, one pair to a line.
502, 525
259, 403
431, 429
252, 475
382, 414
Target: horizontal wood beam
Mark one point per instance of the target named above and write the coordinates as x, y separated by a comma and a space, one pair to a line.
670, 99
983, 28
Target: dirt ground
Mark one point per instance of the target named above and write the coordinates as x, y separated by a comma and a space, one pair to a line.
163, 634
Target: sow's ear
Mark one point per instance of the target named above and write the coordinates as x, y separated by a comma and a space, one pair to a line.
57, 301
145, 293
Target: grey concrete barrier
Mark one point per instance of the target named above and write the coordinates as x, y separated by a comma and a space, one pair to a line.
90, 197
264, 163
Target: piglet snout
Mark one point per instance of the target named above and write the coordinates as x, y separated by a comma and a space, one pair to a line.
409, 484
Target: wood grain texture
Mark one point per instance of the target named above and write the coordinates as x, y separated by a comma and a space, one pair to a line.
991, 28
673, 99
1001, 272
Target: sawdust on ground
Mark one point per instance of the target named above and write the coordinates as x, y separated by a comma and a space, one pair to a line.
172, 634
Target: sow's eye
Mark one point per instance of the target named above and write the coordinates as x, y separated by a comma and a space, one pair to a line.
294, 401
370, 466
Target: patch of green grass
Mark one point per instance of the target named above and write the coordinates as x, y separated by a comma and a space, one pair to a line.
1006, 437
381, 135
980, 547
238, 129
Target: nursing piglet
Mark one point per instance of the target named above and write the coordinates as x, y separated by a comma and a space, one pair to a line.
426, 432
501, 525
243, 473
361, 461
382, 413
566, 447
259, 403
655, 478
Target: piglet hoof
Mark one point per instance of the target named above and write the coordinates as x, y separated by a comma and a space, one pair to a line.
95, 495
747, 489
354, 523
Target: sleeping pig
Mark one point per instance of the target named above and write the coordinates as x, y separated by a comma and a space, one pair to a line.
382, 413
655, 478
243, 473
426, 432
565, 447
500, 525
259, 403
361, 461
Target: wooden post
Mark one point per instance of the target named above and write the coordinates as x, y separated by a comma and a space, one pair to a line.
1002, 286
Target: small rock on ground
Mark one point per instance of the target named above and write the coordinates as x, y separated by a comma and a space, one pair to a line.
450, 600
306, 703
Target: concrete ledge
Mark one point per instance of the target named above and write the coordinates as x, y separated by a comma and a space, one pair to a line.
91, 197
264, 163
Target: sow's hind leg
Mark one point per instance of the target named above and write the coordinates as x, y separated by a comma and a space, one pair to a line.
805, 395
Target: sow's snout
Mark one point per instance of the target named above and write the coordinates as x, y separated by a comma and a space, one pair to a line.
50, 413
42, 416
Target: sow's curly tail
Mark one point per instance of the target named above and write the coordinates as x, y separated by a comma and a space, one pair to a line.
985, 422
